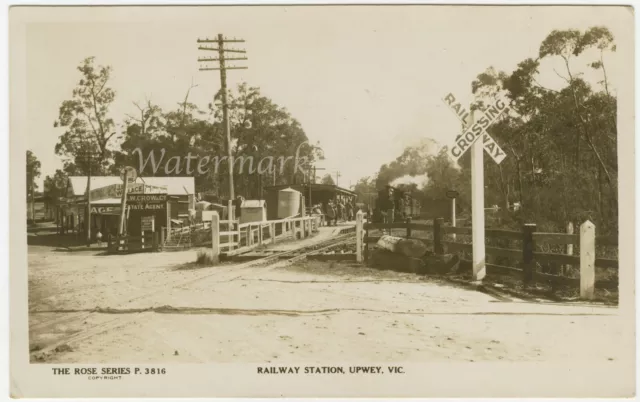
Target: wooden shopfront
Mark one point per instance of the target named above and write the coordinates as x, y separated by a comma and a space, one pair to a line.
147, 213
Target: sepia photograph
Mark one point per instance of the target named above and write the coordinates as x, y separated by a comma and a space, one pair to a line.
318, 194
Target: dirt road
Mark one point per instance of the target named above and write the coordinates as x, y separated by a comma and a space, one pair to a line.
160, 308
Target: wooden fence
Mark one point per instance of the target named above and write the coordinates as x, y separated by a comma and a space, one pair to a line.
239, 238
443, 241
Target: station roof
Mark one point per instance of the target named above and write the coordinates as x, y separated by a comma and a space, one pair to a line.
314, 187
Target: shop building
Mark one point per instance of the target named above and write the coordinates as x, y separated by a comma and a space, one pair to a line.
151, 203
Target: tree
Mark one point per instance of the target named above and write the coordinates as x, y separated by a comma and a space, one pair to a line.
562, 164
365, 189
55, 187
33, 172
562, 142
89, 129
260, 130
327, 179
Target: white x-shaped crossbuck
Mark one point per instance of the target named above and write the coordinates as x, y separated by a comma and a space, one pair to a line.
478, 129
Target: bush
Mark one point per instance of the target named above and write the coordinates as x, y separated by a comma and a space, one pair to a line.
204, 258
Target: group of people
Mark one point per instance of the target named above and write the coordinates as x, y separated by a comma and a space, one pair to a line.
334, 211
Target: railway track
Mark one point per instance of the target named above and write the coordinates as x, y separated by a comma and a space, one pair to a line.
275, 260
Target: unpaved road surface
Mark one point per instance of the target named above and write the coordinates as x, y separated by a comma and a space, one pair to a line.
158, 307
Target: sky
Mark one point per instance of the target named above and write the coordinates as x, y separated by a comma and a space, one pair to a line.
364, 81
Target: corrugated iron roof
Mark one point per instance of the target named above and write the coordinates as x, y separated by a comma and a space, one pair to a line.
314, 186
175, 185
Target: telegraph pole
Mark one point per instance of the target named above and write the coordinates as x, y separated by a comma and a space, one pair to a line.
337, 177
221, 59
89, 203
87, 156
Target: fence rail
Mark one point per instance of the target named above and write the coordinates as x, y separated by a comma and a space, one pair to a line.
444, 240
243, 237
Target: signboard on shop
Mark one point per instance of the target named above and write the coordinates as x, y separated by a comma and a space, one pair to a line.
147, 202
115, 190
111, 210
148, 224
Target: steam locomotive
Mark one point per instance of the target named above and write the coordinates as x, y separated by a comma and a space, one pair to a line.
406, 204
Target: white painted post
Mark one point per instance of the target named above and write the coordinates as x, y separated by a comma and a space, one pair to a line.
272, 233
231, 226
303, 209
215, 237
569, 247
587, 260
477, 207
260, 239
453, 217
359, 232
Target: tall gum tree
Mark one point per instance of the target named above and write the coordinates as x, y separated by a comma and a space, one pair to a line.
85, 118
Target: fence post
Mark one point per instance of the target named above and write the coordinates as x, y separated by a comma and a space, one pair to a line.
272, 232
303, 209
365, 244
408, 222
215, 237
528, 247
438, 248
260, 234
359, 226
569, 248
587, 260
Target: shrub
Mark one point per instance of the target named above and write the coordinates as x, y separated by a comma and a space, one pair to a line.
204, 258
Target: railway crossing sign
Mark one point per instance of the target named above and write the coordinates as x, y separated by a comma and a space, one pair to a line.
473, 131
476, 129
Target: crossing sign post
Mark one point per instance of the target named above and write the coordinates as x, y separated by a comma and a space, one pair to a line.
470, 139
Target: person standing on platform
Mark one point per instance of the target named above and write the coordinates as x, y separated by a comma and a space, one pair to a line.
317, 211
331, 214
340, 212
